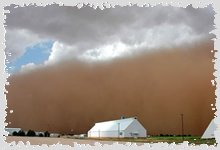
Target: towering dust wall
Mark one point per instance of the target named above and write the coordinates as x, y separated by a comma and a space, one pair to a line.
155, 87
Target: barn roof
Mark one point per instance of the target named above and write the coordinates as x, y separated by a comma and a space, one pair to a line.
113, 125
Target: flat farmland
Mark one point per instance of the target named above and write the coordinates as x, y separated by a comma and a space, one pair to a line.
64, 141
71, 141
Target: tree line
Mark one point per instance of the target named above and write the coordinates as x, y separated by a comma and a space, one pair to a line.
30, 133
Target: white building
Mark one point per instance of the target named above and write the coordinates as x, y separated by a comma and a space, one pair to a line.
11, 130
54, 134
209, 132
123, 128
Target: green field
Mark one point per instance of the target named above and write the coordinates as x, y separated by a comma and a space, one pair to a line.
167, 139
192, 139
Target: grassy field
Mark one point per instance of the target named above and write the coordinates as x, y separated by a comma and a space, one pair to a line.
156, 139
195, 140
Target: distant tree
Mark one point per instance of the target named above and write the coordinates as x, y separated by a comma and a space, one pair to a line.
21, 133
161, 135
41, 135
15, 133
31, 133
46, 134
189, 134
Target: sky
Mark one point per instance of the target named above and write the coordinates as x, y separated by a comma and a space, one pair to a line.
38, 36
71, 68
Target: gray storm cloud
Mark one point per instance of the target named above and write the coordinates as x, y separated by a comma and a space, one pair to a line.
88, 28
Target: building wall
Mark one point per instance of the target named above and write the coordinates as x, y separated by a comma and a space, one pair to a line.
210, 131
135, 126
111, 134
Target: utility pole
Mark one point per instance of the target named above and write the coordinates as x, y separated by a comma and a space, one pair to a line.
99, 133
48, 127
182, 126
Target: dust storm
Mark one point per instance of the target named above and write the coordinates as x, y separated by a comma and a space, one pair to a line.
156, 87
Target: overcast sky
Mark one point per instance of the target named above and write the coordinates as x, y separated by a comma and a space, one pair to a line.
38, 36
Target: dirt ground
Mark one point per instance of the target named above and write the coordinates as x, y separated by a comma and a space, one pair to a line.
50, 141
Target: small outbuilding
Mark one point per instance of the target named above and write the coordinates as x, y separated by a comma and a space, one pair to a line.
123, 128
11, 130
209, 132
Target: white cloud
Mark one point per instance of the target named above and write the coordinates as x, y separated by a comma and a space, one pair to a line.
61, 51
28, 67
106, 52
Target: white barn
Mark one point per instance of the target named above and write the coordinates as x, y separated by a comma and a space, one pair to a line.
209, 132
123, 128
